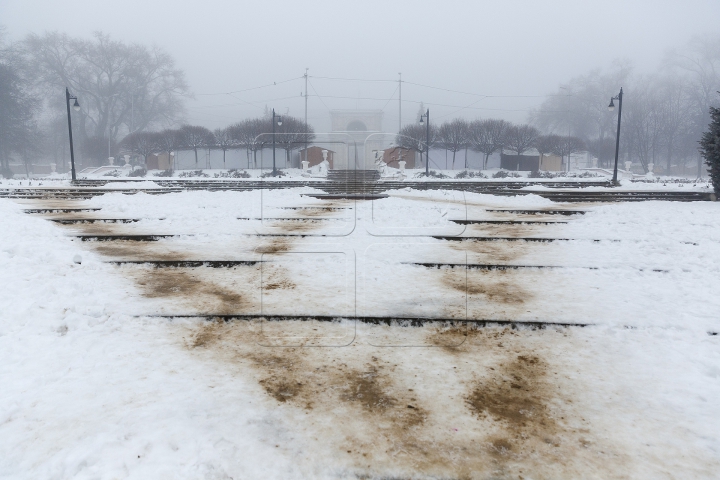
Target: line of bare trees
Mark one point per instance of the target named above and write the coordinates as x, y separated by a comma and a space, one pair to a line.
664, 113
122, 87
486, 137
252, 135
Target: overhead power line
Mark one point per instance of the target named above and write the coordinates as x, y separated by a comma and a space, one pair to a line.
253, 88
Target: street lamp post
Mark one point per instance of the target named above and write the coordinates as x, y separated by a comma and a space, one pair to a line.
76, 107
279, 122
611, 107
426, 119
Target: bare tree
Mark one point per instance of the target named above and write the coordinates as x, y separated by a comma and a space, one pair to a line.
521, 138
699, 63
168, 141
547, 144
118, 85
291, 135
194, 137
453, 136
566, 146
224, 140
249, 134
579, 107
603, 149
140, 143
413, 137
488, 136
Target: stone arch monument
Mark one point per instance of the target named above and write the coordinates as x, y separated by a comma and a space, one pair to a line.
358, 125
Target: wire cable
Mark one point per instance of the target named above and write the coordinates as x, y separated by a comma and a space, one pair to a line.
253, 88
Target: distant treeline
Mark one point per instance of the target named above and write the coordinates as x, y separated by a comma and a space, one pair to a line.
131, 95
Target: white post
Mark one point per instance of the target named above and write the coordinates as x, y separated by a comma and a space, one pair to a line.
305, 165
650, 168
401, 164
628, 165
127, 159
111, 160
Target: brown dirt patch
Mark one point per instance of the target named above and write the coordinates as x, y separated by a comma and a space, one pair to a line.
495, 285
276, 245
513, 394
209, 334
451, 336
482, 412
182, 284
279, 285
496, 252
137, 250
364, 388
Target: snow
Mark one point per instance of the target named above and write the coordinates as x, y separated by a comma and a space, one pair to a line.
94, 385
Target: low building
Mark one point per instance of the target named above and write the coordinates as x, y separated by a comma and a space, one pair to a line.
392, 156
314, 155
551, 163
525, 163
160, 161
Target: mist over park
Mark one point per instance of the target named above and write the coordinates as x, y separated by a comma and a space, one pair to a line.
359, 240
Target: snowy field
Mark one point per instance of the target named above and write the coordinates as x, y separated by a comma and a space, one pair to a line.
102, 380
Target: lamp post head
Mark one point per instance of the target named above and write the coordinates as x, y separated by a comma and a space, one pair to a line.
279, 121
422, 119
76, 106
611, 107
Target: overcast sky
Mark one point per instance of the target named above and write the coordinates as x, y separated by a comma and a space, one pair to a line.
517, 49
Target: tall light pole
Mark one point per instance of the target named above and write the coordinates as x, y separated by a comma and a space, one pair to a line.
279, 122
76, 107
611, 107
426, 119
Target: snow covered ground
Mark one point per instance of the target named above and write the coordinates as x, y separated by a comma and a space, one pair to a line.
96, 385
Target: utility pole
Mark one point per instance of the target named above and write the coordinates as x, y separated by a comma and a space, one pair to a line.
306, 124
306, 80
400, 103
425, 119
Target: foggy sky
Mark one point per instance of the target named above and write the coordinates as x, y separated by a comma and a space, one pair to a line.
514, 48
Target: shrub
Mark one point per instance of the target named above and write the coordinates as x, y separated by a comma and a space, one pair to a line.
233, 173
431, 173
163, 173
467, 174
278, 173
193, 173
139, 172
112, 173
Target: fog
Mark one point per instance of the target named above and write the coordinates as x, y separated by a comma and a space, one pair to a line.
514, 52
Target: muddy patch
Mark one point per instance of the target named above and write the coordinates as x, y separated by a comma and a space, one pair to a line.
514, 394
137, 251
497, 286
277, 245
102, 228
494, 252
451, 336
186, 287
488, 410
279, 284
